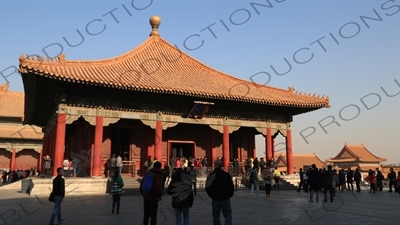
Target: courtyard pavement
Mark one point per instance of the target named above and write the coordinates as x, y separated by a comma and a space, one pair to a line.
283, 207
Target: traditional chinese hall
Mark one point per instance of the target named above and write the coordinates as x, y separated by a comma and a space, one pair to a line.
154, 100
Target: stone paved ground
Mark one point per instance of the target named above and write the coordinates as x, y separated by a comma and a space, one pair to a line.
284, 207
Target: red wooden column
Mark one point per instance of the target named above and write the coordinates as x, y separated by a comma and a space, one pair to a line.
225, 145
46, 145
59, 142
273, 148
39, 164
13, 159
253, 145
52, 142
289, 151
98, 144
213, 156
268, 145
158, 141
150, 148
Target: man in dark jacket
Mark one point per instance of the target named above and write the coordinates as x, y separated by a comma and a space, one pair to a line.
58, 193
182, 194
150, 200
219, 187
392, 179
328, 184
314, 181
301, 174
357, 179
350, 179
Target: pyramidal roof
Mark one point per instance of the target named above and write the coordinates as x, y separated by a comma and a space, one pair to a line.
157, 66
354, 153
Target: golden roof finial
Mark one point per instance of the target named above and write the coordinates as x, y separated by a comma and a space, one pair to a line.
155, 22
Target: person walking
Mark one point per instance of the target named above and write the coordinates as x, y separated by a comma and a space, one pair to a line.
59, 194
379, 181
220, 188
342, 180
392, 180
263, 165
117, 183
372, 181
314, 180
277, 176
254, 181
357, 179
398, 183
151, 199
267, 178
349, 177
329, 179
182, 195
301, 174
204, 164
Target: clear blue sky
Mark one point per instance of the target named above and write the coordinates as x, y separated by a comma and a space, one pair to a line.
353, 56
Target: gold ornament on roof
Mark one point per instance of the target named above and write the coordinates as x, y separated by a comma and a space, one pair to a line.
155, 22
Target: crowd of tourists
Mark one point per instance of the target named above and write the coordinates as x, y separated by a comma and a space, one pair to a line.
16, 175
219, 187
332, 181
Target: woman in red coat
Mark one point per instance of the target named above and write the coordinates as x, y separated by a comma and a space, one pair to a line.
372, 181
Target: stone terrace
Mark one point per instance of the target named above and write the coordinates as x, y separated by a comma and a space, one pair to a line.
284, 207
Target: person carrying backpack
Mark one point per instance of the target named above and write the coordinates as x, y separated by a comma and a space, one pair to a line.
267, 177
254, 181
117, 183
150, 188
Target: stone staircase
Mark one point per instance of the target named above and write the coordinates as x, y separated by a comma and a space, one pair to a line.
287, 182
291, 179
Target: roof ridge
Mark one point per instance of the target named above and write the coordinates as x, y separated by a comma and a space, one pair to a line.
81, 62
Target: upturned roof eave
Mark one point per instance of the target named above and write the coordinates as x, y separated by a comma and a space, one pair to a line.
324, 103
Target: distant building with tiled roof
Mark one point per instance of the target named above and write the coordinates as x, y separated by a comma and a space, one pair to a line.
156, 101
300, 161
20, 145
356, 156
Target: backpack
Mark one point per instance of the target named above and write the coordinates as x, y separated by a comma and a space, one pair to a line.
251, 178
148, 183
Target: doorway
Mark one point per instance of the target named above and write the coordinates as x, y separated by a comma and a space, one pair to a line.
179, 149
120, 143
